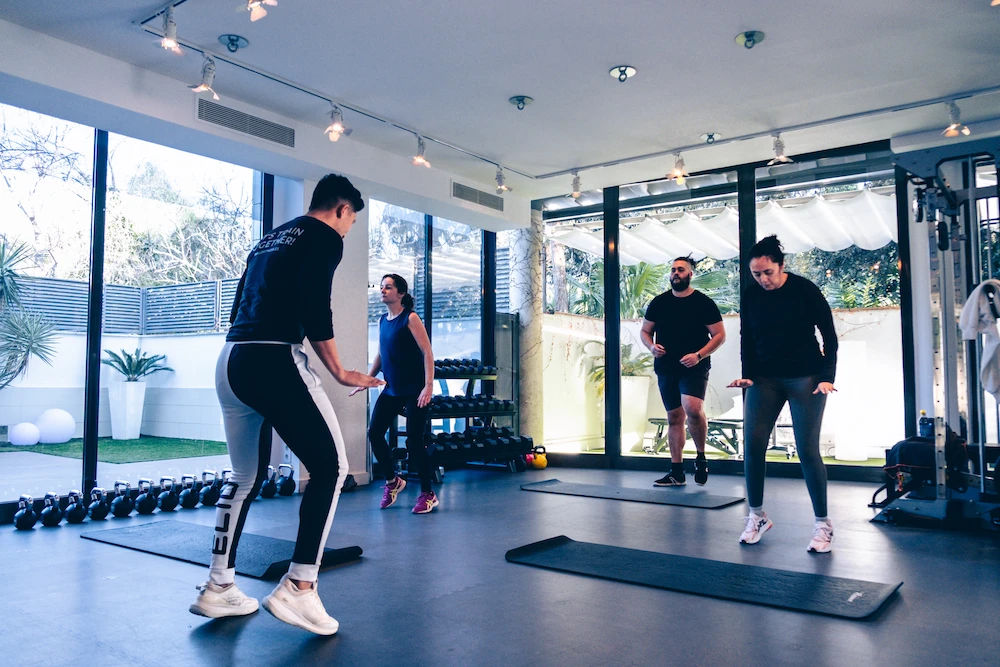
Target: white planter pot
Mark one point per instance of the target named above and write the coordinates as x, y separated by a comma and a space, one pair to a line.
635, 395
125, 401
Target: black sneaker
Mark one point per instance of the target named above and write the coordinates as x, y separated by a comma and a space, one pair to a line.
671, 479
700, 471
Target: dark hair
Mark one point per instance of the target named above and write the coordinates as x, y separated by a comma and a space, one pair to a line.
332, 190
685, 259
401, 287
769, 247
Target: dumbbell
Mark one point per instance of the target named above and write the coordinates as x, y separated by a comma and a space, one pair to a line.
145, 502
286, 482
188, 497
211, 488
122, 504
25, 517
270, 486
98, 508
167, 500
76, 510
52, 513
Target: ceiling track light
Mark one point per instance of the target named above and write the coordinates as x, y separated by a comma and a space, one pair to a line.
779, 152
678, 173
577, 191
419, 159
622, 72
502, 186
256, 8
749, 38
336, 128
169, 40
955, 126
207, 78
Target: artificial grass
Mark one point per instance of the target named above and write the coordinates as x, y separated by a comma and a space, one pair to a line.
144, 448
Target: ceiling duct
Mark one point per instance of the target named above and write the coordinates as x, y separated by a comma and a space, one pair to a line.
474, 196
217, 114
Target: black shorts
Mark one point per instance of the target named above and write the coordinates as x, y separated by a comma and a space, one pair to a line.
689, 382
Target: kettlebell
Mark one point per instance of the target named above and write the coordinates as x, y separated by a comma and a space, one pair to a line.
211, 486
98, 508
188, 497
76, 511
270, 486
167, 500
25, 517
52, 513
529, 459
122, 504
539, 461
145, 502
286, 483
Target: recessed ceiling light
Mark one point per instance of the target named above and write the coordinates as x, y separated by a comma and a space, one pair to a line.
233, 43
622, 72
520, 101
711, 137
749, 38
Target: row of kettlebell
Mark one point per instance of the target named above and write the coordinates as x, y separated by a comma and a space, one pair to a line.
121, 503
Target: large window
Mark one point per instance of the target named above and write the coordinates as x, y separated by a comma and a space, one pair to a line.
178, 230
45, 212
456, 282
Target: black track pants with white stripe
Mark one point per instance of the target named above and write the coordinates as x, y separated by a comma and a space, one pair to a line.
261, 385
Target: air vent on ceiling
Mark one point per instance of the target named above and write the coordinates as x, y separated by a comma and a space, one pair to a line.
210, 112
465, 193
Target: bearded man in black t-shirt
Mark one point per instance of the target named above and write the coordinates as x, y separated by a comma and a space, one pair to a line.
681, 328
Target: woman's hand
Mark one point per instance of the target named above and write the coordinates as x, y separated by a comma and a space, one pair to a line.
425, 396
742, 383
825, 388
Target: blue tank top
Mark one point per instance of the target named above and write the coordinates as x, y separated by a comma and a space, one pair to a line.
402, 360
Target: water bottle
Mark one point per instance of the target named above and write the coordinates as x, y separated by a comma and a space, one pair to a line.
925, 427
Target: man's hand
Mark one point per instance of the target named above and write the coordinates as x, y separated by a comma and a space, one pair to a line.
742, 383
359, 380
690, 360
657, 350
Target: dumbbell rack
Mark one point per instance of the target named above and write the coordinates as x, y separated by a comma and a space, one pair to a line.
477, 444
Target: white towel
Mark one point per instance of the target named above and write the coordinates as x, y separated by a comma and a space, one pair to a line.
977, 318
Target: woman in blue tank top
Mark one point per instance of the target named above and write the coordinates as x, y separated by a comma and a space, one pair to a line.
407, 363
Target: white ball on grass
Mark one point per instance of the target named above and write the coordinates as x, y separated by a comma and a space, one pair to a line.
55, 426
24, 433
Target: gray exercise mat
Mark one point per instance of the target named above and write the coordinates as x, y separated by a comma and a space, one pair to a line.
258, 556
799, 591
665, 496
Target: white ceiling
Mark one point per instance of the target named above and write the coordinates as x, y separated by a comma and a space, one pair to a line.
446, 69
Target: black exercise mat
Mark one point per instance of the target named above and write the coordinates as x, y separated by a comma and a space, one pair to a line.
258, 556
800, 591
666, 496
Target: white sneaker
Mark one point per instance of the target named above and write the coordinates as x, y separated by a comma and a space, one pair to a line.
216, 601
300, 608
757, 525
822, 539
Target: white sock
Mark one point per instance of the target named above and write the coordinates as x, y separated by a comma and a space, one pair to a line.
824, 519
759, 511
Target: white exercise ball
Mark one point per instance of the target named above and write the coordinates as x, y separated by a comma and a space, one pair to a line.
24, 433
55, 426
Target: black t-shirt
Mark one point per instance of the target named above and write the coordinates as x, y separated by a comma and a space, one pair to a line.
284, 294
778, 337
681, 327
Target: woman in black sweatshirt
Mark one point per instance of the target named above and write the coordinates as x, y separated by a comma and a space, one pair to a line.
783, 362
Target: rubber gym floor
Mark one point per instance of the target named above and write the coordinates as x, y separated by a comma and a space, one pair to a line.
436, 590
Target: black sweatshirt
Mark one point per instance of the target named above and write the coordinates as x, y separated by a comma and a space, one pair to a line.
778, 336
284, 294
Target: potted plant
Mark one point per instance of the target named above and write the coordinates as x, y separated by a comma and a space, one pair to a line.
126, 398
635, 374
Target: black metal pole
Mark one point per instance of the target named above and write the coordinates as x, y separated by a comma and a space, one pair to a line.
746, 203
612, 331
428, 283
267, 204
95, 311
489, 298
906, 303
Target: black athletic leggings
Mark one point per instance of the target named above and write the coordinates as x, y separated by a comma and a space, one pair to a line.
386, 409
764, 401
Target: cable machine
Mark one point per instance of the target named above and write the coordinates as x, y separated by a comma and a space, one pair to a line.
944, 194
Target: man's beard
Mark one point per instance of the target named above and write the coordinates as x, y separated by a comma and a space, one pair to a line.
680, 284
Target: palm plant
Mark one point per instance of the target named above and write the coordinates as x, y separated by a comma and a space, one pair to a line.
638, 285
135, 365
631, 366
22, 335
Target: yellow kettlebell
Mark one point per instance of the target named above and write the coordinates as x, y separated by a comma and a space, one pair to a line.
539, 461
